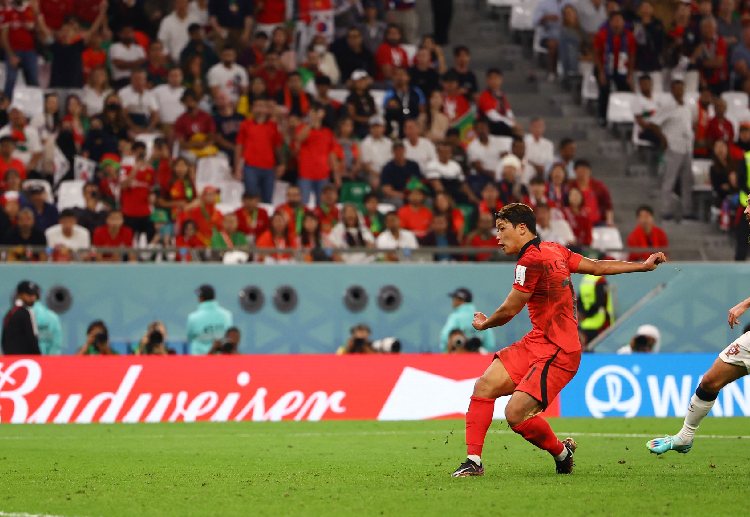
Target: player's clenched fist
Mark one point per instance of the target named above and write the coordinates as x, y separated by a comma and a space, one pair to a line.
479, 319
654, 260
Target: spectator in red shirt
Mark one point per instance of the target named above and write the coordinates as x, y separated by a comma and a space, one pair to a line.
7, 146
490, 202
390, 55
414, 215
113, 234
252, 219
646, 235
719, 127
195, 128
614, 57
278, 236
293, 210
257, 152
205, 215
316, 155
269, 15
18, 39
272, 73
596, 197
485, 236
578, 218
327, 212
494, 106
710, 56
455, 104
56, 11
136, 184
445, 205
188, 239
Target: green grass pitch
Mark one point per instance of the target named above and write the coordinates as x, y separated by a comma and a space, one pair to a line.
365, 468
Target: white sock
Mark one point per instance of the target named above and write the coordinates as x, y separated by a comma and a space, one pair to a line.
476, 459
696, 412
562, 455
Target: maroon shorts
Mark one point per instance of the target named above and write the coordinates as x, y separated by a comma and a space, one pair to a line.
539, 367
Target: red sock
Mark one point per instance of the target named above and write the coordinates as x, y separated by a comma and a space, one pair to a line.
478, 420
537, 431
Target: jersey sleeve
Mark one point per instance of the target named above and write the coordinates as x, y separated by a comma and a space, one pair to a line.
527, 274
574, 260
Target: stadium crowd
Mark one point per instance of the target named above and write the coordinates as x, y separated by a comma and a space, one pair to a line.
199, 130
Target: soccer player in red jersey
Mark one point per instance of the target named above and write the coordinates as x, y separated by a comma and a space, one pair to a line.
535, 369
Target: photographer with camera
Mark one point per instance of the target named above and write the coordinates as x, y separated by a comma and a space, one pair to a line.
647, 340
229, 345
460, 321
359, 341
97, 340
154, 341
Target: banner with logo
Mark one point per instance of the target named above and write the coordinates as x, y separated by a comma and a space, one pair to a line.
646, 385
237, 388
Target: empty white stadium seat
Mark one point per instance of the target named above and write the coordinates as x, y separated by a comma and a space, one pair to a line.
411, 51
212, 171
522, 15
379, 96
29, 99
701, 172
338, 94
736, 117
536, 44
735, 101
230, 196
692, 80
589, 85
70, 194
503, 3
607, 238
148, 139
620, 108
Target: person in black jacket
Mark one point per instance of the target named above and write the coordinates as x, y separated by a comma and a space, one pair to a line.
440, 236
19, 328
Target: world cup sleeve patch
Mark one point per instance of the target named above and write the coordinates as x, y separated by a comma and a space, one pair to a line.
520, 275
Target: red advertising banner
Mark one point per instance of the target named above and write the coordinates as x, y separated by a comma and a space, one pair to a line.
237, 388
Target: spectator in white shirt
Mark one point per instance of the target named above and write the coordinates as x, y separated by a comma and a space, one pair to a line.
96, 90
418, 148
351, 232
168, 97
644, 107
553, 230
540, 151
446, 175
592, 15
140, 104
125, 56
227, 75
173, 30
67, 233
395, 238
376, 150
674, 123
485, 150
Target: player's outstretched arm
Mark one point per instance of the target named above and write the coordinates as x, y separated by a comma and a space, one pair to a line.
510, 307
737, 311
616, 267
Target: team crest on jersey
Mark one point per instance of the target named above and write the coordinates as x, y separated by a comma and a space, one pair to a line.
733, 350
520, 275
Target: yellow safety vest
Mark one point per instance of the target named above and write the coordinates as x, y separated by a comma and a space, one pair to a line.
744, 191
587, 295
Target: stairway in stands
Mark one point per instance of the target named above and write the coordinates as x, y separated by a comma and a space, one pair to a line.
626, 175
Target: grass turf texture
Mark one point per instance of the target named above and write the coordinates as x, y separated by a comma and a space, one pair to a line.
363, 468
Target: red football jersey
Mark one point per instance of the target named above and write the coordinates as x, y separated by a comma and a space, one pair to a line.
544, 269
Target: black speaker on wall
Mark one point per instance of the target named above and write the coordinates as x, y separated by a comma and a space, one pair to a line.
390, 298
252, 299
285, 299
355, 298
59, 299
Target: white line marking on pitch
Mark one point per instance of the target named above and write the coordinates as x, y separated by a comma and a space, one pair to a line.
21, 514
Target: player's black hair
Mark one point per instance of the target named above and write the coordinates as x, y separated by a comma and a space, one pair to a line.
518, 213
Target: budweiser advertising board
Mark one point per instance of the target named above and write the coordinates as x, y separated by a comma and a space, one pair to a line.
238, 388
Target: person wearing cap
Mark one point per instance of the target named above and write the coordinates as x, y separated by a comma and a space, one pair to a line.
351, 54
461, 318
360, 103
20, 335
647, 339
49, 328
67, 233
208, 323
28, 141
45, 213
377, 150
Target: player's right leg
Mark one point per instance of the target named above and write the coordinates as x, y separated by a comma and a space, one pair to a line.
494, 383
727, 368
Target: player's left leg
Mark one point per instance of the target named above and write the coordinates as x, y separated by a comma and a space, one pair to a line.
724, 371
522, 414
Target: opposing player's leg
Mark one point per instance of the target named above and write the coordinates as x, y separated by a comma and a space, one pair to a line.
495, 382
727, 368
